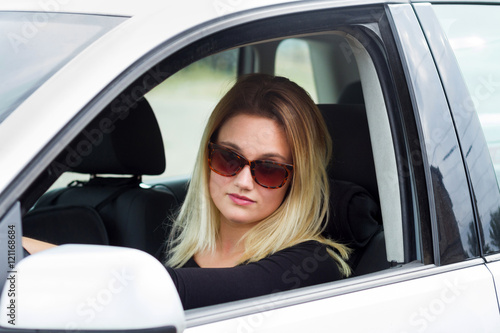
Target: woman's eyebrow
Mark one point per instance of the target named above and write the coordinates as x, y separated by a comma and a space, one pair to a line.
236, 148
230, 145
273, 155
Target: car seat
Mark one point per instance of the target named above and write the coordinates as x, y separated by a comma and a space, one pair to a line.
352, 94
355, 218
118, 210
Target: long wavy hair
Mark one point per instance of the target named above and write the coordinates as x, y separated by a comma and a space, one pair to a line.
304, 210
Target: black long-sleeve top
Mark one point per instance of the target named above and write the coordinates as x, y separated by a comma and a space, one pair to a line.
301, 265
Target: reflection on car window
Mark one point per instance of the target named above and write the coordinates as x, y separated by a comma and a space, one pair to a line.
473, 32
36, 45
183, 103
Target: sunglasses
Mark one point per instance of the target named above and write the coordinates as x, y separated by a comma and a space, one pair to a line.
228, 163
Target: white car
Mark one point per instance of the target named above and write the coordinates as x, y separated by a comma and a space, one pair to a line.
95, 95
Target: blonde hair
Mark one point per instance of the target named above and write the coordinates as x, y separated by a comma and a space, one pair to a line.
304, 211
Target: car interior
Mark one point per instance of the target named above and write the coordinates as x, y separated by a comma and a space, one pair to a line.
120, 204
112, 205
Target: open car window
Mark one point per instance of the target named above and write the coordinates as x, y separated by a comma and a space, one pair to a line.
354, 112
343, 67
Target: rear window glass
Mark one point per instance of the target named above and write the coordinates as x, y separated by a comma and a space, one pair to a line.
474, 34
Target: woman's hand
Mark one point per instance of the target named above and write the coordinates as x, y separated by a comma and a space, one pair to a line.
33, 245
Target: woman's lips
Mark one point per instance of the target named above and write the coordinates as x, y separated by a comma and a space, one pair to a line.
240, 200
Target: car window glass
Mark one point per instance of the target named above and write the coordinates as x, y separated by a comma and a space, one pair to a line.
35, 45
473, 32
293, 60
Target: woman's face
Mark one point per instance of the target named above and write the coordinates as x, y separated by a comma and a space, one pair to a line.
239, 198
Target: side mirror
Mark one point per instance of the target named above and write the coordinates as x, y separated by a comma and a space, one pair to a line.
90, 287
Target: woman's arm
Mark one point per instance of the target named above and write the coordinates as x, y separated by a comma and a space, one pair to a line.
33, 245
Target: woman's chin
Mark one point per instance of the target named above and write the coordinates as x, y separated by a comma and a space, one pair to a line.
243, 221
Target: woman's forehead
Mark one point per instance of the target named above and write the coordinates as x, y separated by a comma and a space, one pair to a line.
254, 136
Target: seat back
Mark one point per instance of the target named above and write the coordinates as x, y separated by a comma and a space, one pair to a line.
352, 94
133, 216
355, 218
356, 222
352, 159
51, 225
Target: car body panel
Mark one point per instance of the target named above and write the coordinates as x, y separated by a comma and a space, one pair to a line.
415, 305
494, 267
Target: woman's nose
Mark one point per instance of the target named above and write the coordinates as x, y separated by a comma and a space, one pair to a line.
244, 179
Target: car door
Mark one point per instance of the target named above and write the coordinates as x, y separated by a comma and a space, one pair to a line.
437, 271
467, 51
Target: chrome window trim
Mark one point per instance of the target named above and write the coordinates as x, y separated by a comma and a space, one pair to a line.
492, 257
457, 2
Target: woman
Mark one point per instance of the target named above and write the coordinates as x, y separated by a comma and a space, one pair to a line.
257, 202
255, 208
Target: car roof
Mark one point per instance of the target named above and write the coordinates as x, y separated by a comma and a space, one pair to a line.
135, 7
217, 7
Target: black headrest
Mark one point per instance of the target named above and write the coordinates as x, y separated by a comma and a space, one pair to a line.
125, 139
352, 150
352, 94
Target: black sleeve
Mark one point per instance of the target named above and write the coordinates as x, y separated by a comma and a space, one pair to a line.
301, 265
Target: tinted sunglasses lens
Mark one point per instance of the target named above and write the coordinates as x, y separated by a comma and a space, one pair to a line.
224, 161
269, 174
